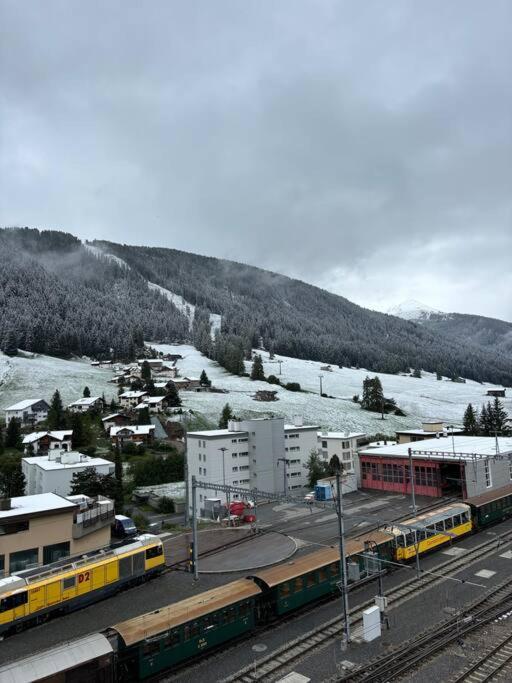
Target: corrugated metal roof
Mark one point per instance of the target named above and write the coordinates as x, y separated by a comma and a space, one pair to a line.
489, 496
50, 662
161, 620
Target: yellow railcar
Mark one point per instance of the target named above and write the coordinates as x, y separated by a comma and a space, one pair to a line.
31, 596
430, 530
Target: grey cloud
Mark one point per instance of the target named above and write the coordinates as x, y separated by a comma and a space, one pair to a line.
330, 141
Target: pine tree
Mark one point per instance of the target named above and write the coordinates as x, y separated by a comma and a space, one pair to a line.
173, 397
365, 399
145, 372
485, 422
56, 412
470, 421
257, 372
13, 435
499, 418
78, 437
10, 345
143, 417
12, 479
204, 381
87, 392
316, 468
417, 373
226, 416
439, 376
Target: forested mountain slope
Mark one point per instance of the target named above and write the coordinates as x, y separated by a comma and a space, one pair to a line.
59, 299
303, 321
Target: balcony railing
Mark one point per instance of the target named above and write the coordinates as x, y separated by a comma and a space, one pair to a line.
99, 515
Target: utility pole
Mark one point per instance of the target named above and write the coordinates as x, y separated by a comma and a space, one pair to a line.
368, 545
341, 531
280, 363
415, 512
320, 378
194, 529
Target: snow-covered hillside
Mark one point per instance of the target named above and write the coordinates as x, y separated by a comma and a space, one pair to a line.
419, 398
38, 377
413, 310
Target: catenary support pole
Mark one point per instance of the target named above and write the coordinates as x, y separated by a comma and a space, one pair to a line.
343, 562
194, 528
415, 512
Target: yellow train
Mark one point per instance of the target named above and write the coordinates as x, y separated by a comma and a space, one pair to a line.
431, 529
31, 596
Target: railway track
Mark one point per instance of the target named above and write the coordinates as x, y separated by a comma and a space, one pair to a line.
431, 642
286, 656
496, 663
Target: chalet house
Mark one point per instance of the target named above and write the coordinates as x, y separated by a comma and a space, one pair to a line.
130, 399
114, 420
86, 405
164, 384
500, 393
156, 404
42, 442
172, 356
154, 363
137, 434
28, 412
186, 383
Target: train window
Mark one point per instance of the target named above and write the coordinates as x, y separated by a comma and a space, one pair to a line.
284, 590
448, 523
439, 526
421, 534
13, 601
68, 583
194, 629
465, 517
409, 539
400, 541
456, 520
310, 580
322, 575
172, 638
298, 585
156, 551
186, 633
334, 569
243, 609
149, 649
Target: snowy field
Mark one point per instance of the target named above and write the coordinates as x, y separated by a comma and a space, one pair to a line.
38, 377
423, 398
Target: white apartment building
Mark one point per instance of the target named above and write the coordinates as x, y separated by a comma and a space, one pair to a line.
251, 454
53, 473
344, 445
30, 411
130, 399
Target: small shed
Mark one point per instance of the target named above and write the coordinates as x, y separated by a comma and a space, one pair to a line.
500, 393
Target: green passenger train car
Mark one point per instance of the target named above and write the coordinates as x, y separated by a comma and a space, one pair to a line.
491, 507
161, 639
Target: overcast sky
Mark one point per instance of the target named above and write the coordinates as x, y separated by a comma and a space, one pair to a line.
362, 146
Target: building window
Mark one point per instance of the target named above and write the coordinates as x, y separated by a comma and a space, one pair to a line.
295, 448
235, 483
244, 481
234, 455
243, 467
246, 453
22, 559
204, 471
201, 497
13, 527
2, 564
488, 478
347, 456
52, 553
345, 444
233, 440
234, 469
324, 444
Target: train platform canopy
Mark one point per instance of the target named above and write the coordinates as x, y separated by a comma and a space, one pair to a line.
45, 665
153, 623
461, 448
490, 496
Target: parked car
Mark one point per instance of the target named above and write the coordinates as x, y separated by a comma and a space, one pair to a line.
123, 527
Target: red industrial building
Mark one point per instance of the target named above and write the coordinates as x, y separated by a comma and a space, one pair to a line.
461, 465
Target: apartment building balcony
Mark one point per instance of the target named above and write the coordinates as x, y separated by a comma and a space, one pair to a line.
94, 514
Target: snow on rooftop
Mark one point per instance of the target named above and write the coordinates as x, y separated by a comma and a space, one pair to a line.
60, 435
110, 417
25, 505
133, 429
133, 394
86, 401
72, 459
22, 405
461, 447
215, 433
340, 435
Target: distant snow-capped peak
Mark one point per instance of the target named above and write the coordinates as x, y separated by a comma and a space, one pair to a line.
413, 310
